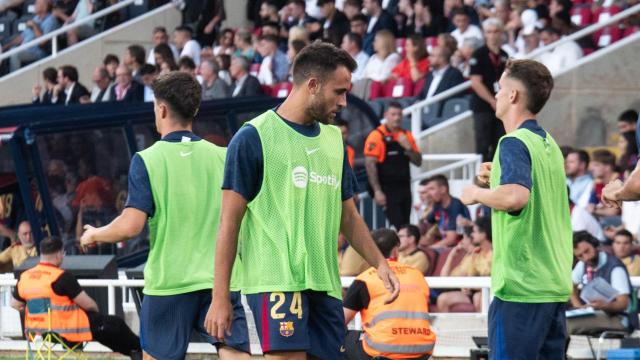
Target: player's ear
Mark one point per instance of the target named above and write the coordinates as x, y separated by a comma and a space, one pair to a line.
514, 95
313, 85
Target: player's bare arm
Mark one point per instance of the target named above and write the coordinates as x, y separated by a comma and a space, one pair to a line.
615, 192
510, 197
126, 226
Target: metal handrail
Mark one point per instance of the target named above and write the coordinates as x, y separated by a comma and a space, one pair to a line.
414, 110
63, 30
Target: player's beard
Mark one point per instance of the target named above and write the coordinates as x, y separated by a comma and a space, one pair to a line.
320, 111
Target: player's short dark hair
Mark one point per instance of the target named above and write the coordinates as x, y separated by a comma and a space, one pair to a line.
180, 92
301, 3
584, 236
273, 24
412, 230
458, 11
583, 156
394, 105
50, 245
225, 61
386, 240
604, 156
535, 78
320, 60
185, 29
50, 74
298, 45
626, 233
137, 53
439, 179
566, 150
187, 62
356, 3
110, 58
355, 38
629, 116
158, 29
70, 72
484, 225
359, 17
147, 69
269, 38
379, 2
321, 3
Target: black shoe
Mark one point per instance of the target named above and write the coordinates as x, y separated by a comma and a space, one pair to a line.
136, 355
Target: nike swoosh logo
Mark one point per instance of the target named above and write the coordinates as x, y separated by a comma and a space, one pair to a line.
183, 154
309, 152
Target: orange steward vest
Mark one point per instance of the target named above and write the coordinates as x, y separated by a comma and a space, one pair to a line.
400, 330
67, 319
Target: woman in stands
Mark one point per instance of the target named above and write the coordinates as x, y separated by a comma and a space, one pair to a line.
416, 63
384, 59
629, 150
164, 58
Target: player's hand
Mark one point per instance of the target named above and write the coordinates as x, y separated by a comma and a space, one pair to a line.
484, 175
598, 304
380, 198
87, 239
219, 318
36, 90
468, 196
609, 194
390, 281
403, 140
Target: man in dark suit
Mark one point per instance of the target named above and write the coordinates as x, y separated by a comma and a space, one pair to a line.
442, 76
69, 90
379, 19
245, 84
126, 89
334, 24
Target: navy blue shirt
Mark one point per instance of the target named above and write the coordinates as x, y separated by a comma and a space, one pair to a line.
139, 194
515, 160
244, 165
446, 218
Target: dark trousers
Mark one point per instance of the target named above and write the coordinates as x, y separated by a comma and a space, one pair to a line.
113, 332
488, 130
398, 209
353, 348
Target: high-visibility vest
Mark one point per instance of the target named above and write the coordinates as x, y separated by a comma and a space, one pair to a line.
401, 329
67, 319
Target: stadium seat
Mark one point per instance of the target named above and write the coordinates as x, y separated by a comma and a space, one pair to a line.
6, 25
630, 30
442, 258
607, 36
377, 107
29, 7
375, 90
281, 90
400, 42
430, 115
138, 7
267, 90
581, 15
432, 255
454, 107
21, 24
255, 69
418, 86
398, 88
605, 13
431, 42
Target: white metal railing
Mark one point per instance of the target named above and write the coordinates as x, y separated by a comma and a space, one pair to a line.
415, 110
53, 36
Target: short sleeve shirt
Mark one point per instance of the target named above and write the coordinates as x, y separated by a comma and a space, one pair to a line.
66, 285
375, 147
446, 218
490, 67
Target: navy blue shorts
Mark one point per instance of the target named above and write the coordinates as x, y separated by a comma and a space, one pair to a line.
309, 321
527, 331
166, 324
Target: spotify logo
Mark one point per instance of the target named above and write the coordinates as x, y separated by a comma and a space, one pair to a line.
300, 177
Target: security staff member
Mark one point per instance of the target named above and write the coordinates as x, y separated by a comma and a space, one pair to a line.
405, 335
74, 315
388, 151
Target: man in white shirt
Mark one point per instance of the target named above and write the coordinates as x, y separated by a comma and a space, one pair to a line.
186, 45
582, 220
160, 36
531, 41
562, 56
579, 180
352, 43
464, 28
102, 90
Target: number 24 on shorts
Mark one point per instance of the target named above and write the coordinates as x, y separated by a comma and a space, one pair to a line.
279, 298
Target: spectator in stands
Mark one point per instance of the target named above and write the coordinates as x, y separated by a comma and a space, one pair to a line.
211, 17
101, 92
334, 23
71, 308
442, 76
476, 263
186, 45
268, 12
352, 263
447, 41
83, 9
618, 314
579, 180
148, 73
49, 78
582, 220
406, 334
560, 57
125, 88
212, 86
111, 63
603, 169
17, 253
160, 36
464, 28
461, 58
344, 128
295, 47
42, 23
245, 84
379, 19
415, 65
352, 43
428, 20
486, 66
627, 121
352, 8
224, 62
623, 249
295, 14
275, 65
445, 211
187, 66
225, 43
388, 150
244, 47
628, 152
385, 58
134, 59
69, 90
165, 61
358, 25
408, 251
531, 41
423, 207
559, 6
